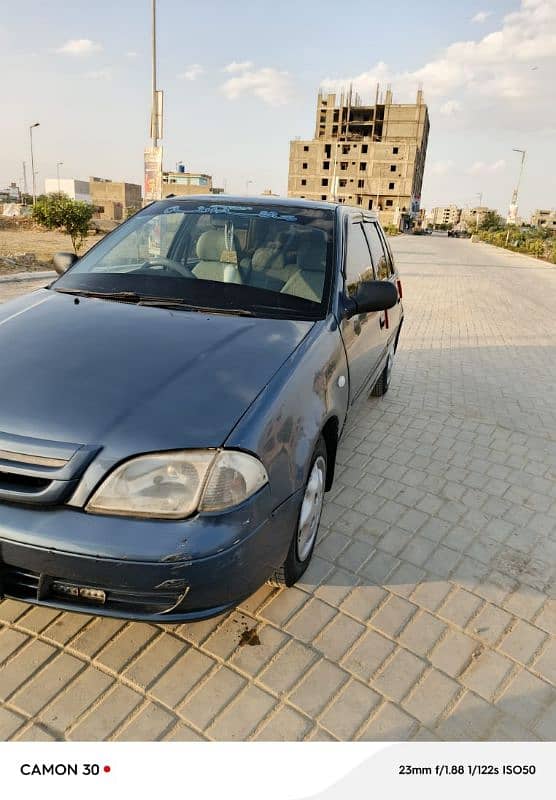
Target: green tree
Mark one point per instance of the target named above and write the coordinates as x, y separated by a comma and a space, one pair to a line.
59, 212
491, 221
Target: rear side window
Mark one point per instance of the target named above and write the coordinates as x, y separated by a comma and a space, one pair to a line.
381, 260
388, 251
358, 259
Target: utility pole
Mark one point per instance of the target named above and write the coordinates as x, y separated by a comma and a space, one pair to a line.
247, 187
24, 177
154, 122
33, 173
515, 194
512, 215
153, 154
58, 165
480, 196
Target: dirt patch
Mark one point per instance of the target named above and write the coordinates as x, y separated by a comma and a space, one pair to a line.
524, 568
28, 249
250, 637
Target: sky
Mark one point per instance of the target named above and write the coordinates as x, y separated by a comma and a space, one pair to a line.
240, 80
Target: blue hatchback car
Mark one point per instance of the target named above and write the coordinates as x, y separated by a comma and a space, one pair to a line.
171, 405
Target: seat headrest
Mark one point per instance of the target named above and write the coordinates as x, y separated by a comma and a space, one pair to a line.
311, 251
210, 245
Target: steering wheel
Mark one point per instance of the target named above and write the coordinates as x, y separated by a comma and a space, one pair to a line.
171, 266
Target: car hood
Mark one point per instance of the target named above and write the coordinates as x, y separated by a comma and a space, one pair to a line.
138, 378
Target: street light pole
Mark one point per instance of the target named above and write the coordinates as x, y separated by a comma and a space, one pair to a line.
33, 174
58, 165
247, 187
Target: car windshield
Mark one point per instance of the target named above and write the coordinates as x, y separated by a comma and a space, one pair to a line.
260, 258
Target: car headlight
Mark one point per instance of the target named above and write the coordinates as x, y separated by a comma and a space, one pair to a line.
175, 485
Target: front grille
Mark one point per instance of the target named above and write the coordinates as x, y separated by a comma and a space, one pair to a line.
22, 483
40, 472
24, 584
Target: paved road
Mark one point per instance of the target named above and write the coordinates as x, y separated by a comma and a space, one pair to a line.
429, 610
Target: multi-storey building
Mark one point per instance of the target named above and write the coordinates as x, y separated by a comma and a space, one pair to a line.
444, 215
367, 155
473, 217
182, 183
544, 218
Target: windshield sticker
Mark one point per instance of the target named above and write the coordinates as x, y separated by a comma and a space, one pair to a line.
247, 211
173, 210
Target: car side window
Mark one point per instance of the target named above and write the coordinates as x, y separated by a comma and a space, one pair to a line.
381, 261
388, 251
358, 265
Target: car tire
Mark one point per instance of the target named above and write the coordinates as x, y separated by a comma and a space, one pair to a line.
305, 535
383, 383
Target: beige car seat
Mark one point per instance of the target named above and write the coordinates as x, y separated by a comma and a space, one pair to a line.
308, 279
210, 247
268, 267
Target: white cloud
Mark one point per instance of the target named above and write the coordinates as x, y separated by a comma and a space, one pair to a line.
272, 86
481, 16
441, 167
192, 72
450, 107
79, 47
493, 75
480, 168
238, 66
99, 74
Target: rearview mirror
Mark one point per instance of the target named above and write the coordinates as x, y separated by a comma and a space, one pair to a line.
373, 296
63, 261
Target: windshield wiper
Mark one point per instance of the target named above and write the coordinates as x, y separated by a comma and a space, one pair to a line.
158, 302
131, 297
161, 302
284, 311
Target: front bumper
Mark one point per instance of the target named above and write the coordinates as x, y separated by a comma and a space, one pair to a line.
40, 562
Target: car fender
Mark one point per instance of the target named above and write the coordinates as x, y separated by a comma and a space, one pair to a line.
284, 423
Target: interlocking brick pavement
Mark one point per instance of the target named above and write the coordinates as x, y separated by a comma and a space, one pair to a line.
429, 611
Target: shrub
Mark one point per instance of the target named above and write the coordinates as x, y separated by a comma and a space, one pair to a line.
59, 212
391, 230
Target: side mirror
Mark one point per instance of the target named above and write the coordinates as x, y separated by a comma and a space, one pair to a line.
63, 261
373, 296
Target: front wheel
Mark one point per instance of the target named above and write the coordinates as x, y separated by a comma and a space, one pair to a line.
305, 535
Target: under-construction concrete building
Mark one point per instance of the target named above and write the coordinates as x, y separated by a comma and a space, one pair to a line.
372, 156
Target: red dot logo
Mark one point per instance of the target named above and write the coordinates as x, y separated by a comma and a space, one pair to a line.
107, 768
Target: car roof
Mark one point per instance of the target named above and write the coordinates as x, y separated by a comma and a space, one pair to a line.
266, 200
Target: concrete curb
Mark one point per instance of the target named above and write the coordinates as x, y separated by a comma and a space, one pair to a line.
20, 277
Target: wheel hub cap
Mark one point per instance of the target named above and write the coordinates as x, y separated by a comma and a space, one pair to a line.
311, 509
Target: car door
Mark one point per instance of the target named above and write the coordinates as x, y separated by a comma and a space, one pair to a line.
384, 270
361, 333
